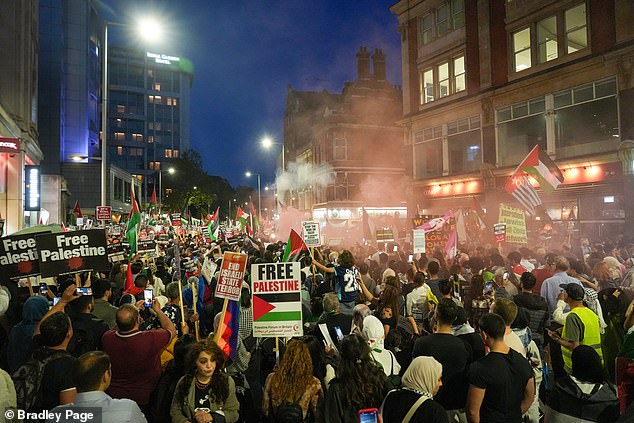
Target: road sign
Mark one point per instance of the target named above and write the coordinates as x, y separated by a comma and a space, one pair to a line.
231, 273
310, 234
104, 213
276, 299
499, 230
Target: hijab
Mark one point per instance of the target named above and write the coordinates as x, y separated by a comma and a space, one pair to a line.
587, 366
422, 375
20, 342
374, 332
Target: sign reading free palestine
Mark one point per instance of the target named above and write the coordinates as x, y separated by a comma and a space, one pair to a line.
276, 299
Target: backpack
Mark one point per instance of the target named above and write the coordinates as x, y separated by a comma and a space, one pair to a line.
289, 413
27, 380
83, 339
394, 379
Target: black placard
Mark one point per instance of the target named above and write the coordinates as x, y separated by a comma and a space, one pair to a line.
72, 252
19, 256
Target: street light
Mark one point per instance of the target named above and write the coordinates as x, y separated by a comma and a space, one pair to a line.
248, 175
147, 29
267, 143
171, 171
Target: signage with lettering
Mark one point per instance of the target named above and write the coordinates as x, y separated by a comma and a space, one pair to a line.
419, 241
440, 230
72, 252
19, 256
276, 299
515, 224
32, 188
499, 231
231, 273
104, 213
9, 145
384, 235
310, 234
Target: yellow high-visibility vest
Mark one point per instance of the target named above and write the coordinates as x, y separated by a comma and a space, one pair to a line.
591, 335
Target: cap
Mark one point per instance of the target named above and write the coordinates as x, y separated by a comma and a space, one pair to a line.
574, 290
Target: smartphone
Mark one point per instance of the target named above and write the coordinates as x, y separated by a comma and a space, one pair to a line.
369, 415
84, 291
505, 276
488, 287
148, 294
56, 300
410, 258
339, 333
43, 288
395, 249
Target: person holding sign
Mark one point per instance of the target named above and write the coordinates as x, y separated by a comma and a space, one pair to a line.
347, 283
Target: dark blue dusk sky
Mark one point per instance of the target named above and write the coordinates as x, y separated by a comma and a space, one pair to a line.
246, 53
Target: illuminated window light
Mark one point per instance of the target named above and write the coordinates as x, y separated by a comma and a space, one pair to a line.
608, 199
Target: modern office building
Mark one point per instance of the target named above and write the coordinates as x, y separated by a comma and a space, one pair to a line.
484, 81
148, 112
352, 145
20, 153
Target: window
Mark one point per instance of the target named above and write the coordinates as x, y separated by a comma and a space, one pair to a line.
522, 49
137, 137
155, 165
519, 127
576, 28
119, 150
443, 80
428, 152
175, 154
174, 102
340, 147
459, 82
120, 108
464, 145
427, 91
156, 87
426, 28
442, 19
168, 153
119, 136
150, 139
457, 13
586, 120
547, 39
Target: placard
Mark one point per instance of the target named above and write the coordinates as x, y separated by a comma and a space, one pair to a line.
384, 235
176, 219
310, 234
116, 252
499, 231
231, 275
515, 224
419, 241
276, 299
72, 252
209, 269
19, 256
103, 213
440, 230
146, 245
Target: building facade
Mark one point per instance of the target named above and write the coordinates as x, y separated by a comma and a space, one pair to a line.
148, 112
485, 81
19, 146
351, 146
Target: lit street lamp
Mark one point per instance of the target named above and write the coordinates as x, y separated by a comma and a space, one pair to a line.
248, 175
171, 171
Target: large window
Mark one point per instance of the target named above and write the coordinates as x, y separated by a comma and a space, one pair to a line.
586, 119
448, 16
465, 146
340, 147
547, 44
519, 128
522, 49
428, 153
444, 79
576, 28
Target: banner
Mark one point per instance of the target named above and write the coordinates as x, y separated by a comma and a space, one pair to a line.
276, 299
310, 234
515, 224
231, 275
499, 232
439, 230
384, 235
19, 256
72, 252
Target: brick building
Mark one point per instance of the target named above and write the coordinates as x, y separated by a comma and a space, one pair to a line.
486, 80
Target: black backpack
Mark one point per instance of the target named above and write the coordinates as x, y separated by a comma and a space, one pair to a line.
27, 380
289, 413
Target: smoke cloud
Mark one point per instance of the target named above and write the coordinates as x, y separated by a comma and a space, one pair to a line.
299, 176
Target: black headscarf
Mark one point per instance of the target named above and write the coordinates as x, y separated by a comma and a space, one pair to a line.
587, 365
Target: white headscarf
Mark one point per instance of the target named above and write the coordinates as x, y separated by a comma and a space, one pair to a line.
373, 331
422, 375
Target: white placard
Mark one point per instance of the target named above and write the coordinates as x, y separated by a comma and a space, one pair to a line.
310, 233
419, 241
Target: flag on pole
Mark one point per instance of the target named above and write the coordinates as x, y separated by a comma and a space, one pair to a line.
241, 218
542, 168
227, 336
519, 186
256, 218
77, 210
295, 247
153, 198
213, 227
134, 219
451, 248
129, 282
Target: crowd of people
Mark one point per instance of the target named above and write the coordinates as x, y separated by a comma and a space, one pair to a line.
485, 336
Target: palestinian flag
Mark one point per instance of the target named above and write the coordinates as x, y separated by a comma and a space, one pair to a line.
213, 227
277, 307
153, 198
543, 169
226, 336
256, 218
77, 210
242, 218
295, 247
134, 219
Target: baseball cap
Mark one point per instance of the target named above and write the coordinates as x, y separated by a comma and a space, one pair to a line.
575, 291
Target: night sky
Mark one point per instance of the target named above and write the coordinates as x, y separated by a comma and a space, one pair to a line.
246, 53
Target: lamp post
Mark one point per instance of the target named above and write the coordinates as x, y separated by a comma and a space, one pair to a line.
147, 29
248, 175
171, 171
267, 142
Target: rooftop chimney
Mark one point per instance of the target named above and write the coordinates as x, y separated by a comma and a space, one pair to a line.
378, 62
363, 63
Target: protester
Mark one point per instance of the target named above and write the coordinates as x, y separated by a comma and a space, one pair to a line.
508, 311
205, 393
421, 382
20, 344
551, 288
103, 309
535, 305
293, 387
333, 318
347, 280
374, 332
87, 328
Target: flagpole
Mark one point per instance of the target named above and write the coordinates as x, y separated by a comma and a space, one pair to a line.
222, 319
